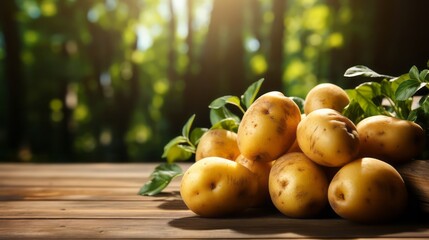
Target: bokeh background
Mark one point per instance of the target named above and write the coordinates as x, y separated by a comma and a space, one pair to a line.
115, 80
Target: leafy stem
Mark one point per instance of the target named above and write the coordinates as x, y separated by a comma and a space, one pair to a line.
184, 146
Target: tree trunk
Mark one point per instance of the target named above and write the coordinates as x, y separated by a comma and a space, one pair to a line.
274, 79
233, 60
222, 61
13, 75
172, 74
202, 88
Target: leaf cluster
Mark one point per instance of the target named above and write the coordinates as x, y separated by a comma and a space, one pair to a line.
392, 96
184, 146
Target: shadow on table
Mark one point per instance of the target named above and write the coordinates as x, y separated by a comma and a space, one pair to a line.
270, 222
170, 201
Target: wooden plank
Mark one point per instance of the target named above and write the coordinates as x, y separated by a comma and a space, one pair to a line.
148, 207
195, 227
72, 181
101, 201
102, 170
145, 208
73, 193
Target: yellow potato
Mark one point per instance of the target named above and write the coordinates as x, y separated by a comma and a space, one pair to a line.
368, 190
214, 187
262, 172
218, 143
294, 147
268, 128
326, 95
328, 138
298, 186
390, 139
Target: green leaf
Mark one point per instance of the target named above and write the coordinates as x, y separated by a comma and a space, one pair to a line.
424, 74
414, 73
187, 127
403, 108
196, 134
424, 104
160, 178
395, 82
360, 70
408, 88
230, 124
353, 111
173, 142
220, 102
300, 102
386, 88
180, 153
413, 115
364, 95
250, 94
217, 115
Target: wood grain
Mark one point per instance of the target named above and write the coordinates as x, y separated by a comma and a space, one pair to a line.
53, 201
416, 176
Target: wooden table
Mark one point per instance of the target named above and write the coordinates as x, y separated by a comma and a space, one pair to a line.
41, 201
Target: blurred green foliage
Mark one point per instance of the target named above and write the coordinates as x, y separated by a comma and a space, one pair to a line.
111, 80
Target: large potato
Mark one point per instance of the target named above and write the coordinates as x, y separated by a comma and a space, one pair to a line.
326, 95
262, 172
367, 190
218, 143
328, 138
298, 186
390, 139
268, 128
214, 187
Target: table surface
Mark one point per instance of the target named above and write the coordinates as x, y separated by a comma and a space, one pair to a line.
101, 201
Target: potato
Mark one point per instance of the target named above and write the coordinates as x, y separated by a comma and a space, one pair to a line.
390, 139
268, 128
298, 186
294, 147
262, 172
218, 143
215, 187
328, 138
368, 190
326, 95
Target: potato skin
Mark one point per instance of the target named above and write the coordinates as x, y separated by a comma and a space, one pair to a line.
390, 139
218, 143
326, 95
268, 128
328, 138
215, 187
298, 186
368, 190
262, 173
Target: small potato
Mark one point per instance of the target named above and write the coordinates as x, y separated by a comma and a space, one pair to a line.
328, 138
215, 187
390, 139
268, 128
326, 95
298, 186
218, 143
368, 190
262, 172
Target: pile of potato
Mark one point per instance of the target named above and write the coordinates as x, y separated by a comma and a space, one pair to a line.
303, 163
